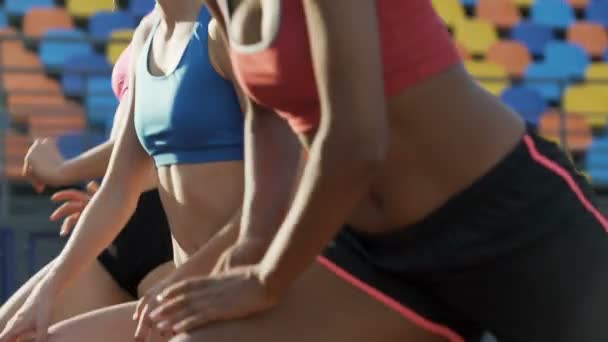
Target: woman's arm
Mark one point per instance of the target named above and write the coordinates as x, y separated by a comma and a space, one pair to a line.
351, 140
113, 204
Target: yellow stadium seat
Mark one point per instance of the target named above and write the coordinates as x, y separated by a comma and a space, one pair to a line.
86, 8
492, 77
597, 72
118, 42
451, 11
477, 36
589, 100
524, 3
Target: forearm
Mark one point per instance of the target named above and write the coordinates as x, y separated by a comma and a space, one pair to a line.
91, 164
101, 221
332, 184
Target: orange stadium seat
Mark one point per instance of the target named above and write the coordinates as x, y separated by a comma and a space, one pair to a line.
578, 4
30, 82
590, 36
462, 51
56, 124
578, 131
21, 106
40, 19
16, 149
502, 13
511, 54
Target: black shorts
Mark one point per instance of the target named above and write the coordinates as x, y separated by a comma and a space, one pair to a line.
523, 253
144, 244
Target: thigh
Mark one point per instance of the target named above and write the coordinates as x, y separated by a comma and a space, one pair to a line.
320, 307
93, 289
155, 276
108, 324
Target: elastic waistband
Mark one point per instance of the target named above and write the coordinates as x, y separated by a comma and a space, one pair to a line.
515, 173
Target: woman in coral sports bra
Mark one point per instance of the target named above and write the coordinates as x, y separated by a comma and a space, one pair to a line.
420, 190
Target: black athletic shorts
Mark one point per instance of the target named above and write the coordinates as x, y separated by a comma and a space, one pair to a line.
523, 253
144, 244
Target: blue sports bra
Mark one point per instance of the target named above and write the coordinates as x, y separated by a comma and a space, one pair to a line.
191, 115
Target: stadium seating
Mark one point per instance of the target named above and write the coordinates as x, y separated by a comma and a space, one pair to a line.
548, 80
597, 11
577, 130
555, 14
39, 20
86, 8
140, 8
102, 24
119, 41
502, 13
533, 36
79, 68
526, 102
20, 7
477, 36
597, 72
590, 36
450, 11
490, 75
512, 55
568, 57
58, 45
597, 161
589, 100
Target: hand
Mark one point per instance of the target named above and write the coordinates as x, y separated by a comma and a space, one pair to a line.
146, 304
195, 302
32, 320
43, 164
75, 202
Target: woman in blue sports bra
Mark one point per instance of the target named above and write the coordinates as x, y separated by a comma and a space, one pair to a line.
186, 119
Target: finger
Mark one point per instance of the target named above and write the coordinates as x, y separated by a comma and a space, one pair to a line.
182, 288
139, 307
67, 209
92, 187
143, 328
193, 322
70, 195
39, 186
42, 332
69, 223
167, 324
169, 307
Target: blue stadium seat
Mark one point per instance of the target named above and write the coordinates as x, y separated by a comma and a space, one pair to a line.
20, 7
73, 144
533, 36
140, 8
548, 80
597, 11
597, 161
99, 86
79, 68
527, 102
570, 58
7, 263
102, 24
553, 13
468, 2
3, 19
59, 45
100, 108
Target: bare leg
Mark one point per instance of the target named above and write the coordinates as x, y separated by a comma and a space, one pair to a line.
13, 304
108, 324
321, 308
94, 289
